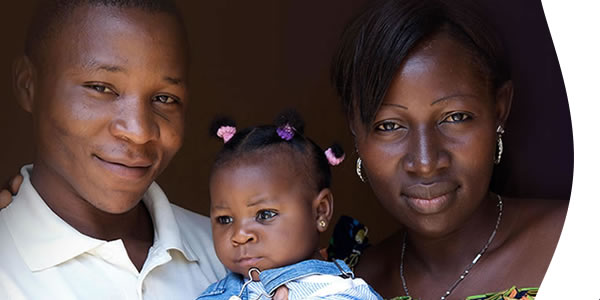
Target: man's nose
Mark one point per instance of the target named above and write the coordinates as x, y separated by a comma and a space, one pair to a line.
135, 121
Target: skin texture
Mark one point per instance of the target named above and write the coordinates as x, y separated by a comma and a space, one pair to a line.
428, 156
108, 114
261, 216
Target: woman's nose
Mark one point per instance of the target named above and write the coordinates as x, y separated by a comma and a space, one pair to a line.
426, 153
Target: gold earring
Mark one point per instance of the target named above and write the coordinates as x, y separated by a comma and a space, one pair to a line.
498, 156
322, 223
359, 170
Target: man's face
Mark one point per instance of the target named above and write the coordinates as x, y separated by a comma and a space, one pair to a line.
109, 104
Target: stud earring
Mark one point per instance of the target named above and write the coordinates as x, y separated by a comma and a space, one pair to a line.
500, 147
359, 170
322, 224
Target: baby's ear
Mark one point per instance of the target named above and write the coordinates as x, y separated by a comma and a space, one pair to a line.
23, 73
323, 209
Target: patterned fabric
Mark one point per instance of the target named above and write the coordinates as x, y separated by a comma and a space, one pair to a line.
350, 239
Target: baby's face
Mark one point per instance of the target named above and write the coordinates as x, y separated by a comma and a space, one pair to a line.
262, 214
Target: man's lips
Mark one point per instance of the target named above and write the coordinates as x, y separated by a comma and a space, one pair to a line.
133, 169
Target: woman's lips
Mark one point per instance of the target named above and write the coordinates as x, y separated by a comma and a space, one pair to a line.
430, 198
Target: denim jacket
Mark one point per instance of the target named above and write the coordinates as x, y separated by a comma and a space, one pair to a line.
353, 289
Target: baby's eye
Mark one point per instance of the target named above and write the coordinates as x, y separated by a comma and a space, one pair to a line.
166, 99
457, 117
265, 215
224, 220
388, 126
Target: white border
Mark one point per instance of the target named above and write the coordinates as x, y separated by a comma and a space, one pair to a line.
573, 273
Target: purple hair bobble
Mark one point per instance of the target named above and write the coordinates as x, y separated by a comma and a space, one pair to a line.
333, 160
286, 132
226, 133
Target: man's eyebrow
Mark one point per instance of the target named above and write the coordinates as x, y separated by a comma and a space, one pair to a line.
94, 65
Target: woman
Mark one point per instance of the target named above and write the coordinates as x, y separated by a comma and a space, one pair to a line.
427, 93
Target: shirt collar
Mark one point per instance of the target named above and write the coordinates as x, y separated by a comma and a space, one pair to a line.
45, 240
167, 233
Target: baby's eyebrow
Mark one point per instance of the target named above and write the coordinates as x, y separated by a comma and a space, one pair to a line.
173, 80
256, 202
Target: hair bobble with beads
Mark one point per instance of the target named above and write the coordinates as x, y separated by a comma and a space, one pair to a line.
335, 155
226, 133
286, 132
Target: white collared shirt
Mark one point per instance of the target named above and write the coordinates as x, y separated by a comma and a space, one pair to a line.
42, 257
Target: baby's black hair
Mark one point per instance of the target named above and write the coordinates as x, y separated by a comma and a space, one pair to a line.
257, 138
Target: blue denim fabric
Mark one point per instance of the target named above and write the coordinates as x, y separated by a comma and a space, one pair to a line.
271, 279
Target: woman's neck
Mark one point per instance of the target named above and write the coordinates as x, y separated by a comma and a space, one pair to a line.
456, 250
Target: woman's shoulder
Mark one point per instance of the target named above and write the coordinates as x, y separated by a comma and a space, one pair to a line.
536, 217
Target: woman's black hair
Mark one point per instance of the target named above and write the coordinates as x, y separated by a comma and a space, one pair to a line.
375, 44
254, 139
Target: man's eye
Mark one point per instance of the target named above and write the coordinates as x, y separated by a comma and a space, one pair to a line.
166, 99
265, 215
387, 126
100, 88
224, 220
457, 117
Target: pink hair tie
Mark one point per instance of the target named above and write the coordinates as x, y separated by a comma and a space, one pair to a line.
226, 133
333, 160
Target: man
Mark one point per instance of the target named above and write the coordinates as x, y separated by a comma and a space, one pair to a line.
105, 82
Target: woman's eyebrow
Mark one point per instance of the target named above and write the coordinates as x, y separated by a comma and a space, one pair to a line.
446, 98
393, 104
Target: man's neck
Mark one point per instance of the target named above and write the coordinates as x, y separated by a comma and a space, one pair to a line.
134, 227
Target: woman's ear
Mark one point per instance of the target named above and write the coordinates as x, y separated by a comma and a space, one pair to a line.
504, 96
323, 209
23, 74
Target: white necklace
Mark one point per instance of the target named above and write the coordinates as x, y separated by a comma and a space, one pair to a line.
467, 269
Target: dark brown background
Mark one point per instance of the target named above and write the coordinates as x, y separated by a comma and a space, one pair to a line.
254, 58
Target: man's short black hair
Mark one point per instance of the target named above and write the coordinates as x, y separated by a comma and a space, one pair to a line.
49, 15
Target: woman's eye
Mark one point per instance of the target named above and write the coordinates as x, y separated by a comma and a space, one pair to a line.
166, 99
456, 117
224, 220
387, 126
265, 215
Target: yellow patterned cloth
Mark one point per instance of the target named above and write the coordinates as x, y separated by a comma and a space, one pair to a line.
511, 294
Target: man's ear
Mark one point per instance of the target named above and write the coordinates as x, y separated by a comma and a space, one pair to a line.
323, 209
23, 73
504, 96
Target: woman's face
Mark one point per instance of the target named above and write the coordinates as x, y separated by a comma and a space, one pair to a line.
428, 154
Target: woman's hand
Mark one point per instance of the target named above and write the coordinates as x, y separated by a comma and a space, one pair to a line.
10, 189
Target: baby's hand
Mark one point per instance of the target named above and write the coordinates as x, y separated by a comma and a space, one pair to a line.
10, 189
281, 293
